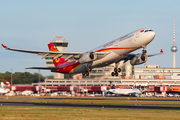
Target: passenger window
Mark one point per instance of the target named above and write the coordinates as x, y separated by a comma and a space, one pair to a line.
146, 31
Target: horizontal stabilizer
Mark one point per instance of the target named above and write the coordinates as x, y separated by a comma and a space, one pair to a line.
43, 68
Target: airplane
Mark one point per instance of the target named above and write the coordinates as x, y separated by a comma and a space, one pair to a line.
27, 92
112, 52
134, 91
8, 84
2, 85
2, 89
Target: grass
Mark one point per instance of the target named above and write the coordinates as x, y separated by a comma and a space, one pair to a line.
61, 113
65, 113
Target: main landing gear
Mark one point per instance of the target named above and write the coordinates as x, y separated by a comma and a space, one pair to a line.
86, 72
116, 70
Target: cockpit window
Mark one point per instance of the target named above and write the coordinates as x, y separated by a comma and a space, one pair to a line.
148, 30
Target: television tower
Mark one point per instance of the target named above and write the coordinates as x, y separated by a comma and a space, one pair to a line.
174, 48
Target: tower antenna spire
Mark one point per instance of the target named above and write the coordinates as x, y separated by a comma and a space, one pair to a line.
174, 43
174, 48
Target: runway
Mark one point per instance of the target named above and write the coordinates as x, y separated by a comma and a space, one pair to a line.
86, 106
149, 99
112, 99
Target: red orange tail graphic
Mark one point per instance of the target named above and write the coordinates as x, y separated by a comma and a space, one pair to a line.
52, 47
8, 84
4, 46
161, 51
57, 61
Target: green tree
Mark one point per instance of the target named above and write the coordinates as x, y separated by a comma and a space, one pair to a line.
21, 78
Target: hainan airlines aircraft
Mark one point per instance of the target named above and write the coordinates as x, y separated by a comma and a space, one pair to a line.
112, 52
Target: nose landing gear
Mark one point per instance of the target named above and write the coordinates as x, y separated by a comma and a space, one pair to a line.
144, 51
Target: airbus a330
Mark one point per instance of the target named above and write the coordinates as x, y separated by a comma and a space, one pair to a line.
112, 52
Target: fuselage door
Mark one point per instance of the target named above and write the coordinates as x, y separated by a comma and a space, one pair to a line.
137, 34
116, 43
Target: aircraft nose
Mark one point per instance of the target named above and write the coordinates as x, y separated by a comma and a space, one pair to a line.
153, 34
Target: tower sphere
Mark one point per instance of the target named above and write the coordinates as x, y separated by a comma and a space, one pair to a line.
174, 49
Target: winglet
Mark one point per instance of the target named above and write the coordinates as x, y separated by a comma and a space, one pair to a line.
161, 51
4, 46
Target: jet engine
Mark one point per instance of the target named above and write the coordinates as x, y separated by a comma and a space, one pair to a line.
88, 57
139, 59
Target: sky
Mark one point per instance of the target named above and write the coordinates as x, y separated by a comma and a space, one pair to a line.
86, 24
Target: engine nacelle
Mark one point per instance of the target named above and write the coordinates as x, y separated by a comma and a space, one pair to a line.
139, 59
88, 57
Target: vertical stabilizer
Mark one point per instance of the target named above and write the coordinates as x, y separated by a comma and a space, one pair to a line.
56, 61
111, 85
8, 84
52, 47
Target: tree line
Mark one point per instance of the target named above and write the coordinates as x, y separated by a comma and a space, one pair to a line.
21, 77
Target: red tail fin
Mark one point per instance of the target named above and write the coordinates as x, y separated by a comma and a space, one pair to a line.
57, 60
8, 84
52, 47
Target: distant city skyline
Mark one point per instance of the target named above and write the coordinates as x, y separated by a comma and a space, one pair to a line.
85, 25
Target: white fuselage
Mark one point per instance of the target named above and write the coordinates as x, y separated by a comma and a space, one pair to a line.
123, 45
125, 91
3, 91
119, 47
27, 92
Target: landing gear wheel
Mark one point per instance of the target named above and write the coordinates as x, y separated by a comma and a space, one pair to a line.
115, 69
87, 74
116, 73
83, 74
112, 74
144, 51
119, 69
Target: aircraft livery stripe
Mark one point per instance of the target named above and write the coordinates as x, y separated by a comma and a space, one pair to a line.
111, 49
75, 68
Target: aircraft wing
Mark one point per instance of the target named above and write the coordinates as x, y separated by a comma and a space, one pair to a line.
131, 56
161, 52
66, 55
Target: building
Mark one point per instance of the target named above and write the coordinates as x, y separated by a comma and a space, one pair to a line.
156, 72
61, 44
148, 75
